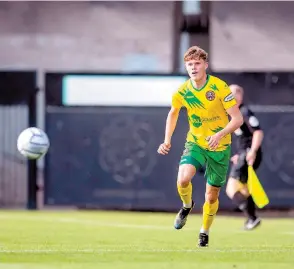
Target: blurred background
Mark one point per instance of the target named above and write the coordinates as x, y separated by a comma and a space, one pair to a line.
98, 77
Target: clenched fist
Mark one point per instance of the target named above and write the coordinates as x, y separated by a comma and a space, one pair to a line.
164, 148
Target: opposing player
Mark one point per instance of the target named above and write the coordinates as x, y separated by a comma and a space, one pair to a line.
208, 101
249, 139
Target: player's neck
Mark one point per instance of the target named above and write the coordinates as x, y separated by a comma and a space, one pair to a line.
198, 84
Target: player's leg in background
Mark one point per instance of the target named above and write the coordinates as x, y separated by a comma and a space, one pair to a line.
238, 192
184, 185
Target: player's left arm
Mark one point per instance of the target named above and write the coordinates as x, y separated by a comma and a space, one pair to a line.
257, 137
235, 122
230, 105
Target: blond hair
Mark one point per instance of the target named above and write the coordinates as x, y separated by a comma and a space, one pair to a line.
195, 53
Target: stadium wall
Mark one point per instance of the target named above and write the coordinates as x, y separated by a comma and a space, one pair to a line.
104, 36
251, 35
104, 155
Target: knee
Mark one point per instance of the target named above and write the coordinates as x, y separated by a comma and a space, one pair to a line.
185, 175
232, 187
228, 191
245, 191
211, 197
183, 181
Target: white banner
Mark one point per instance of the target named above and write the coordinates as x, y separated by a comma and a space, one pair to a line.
119, 90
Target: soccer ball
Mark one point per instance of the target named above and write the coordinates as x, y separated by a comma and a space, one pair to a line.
33, 143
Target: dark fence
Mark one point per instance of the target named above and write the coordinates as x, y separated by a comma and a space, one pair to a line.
105, 157
17, 112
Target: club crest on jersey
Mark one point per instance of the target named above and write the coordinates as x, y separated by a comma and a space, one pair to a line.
210, 95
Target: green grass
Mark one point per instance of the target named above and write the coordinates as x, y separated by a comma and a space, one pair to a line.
119, 240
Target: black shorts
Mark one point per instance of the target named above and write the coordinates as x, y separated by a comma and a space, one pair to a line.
239, 171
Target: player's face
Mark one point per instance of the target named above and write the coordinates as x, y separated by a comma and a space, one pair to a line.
196, 69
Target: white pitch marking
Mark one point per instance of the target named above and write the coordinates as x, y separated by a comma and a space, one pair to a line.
95, 223
95, 251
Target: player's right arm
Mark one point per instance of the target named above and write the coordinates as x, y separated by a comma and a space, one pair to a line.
171, 123
257, 137
253, 122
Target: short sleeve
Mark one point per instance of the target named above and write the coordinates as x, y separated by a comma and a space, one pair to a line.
227, 98
250, 118
177, 100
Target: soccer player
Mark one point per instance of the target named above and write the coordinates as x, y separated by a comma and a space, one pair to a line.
208, 101
249, 139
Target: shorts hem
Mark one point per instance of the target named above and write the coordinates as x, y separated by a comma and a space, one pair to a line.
190, 160
214, 185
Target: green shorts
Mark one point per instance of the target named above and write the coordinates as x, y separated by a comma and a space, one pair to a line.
217, 162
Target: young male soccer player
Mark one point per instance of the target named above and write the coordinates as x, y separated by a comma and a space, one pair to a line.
249, 140
208, 101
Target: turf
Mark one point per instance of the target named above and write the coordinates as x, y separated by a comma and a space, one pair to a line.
71, 240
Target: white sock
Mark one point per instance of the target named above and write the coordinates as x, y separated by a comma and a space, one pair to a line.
187, 205
203, 231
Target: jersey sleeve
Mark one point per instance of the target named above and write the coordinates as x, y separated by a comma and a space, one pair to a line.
251, 118
177, 100
227, 98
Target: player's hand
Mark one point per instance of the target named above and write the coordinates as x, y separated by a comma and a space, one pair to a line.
250, 157
234, 159
213, 141
164, 148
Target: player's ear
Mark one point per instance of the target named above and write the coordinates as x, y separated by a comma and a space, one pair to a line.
206, 65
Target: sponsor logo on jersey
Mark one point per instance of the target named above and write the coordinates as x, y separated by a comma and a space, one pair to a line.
197, 121
215, 118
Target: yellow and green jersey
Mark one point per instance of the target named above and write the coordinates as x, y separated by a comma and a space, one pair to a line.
206, 109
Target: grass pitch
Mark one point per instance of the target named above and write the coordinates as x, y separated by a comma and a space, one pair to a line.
120, 240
